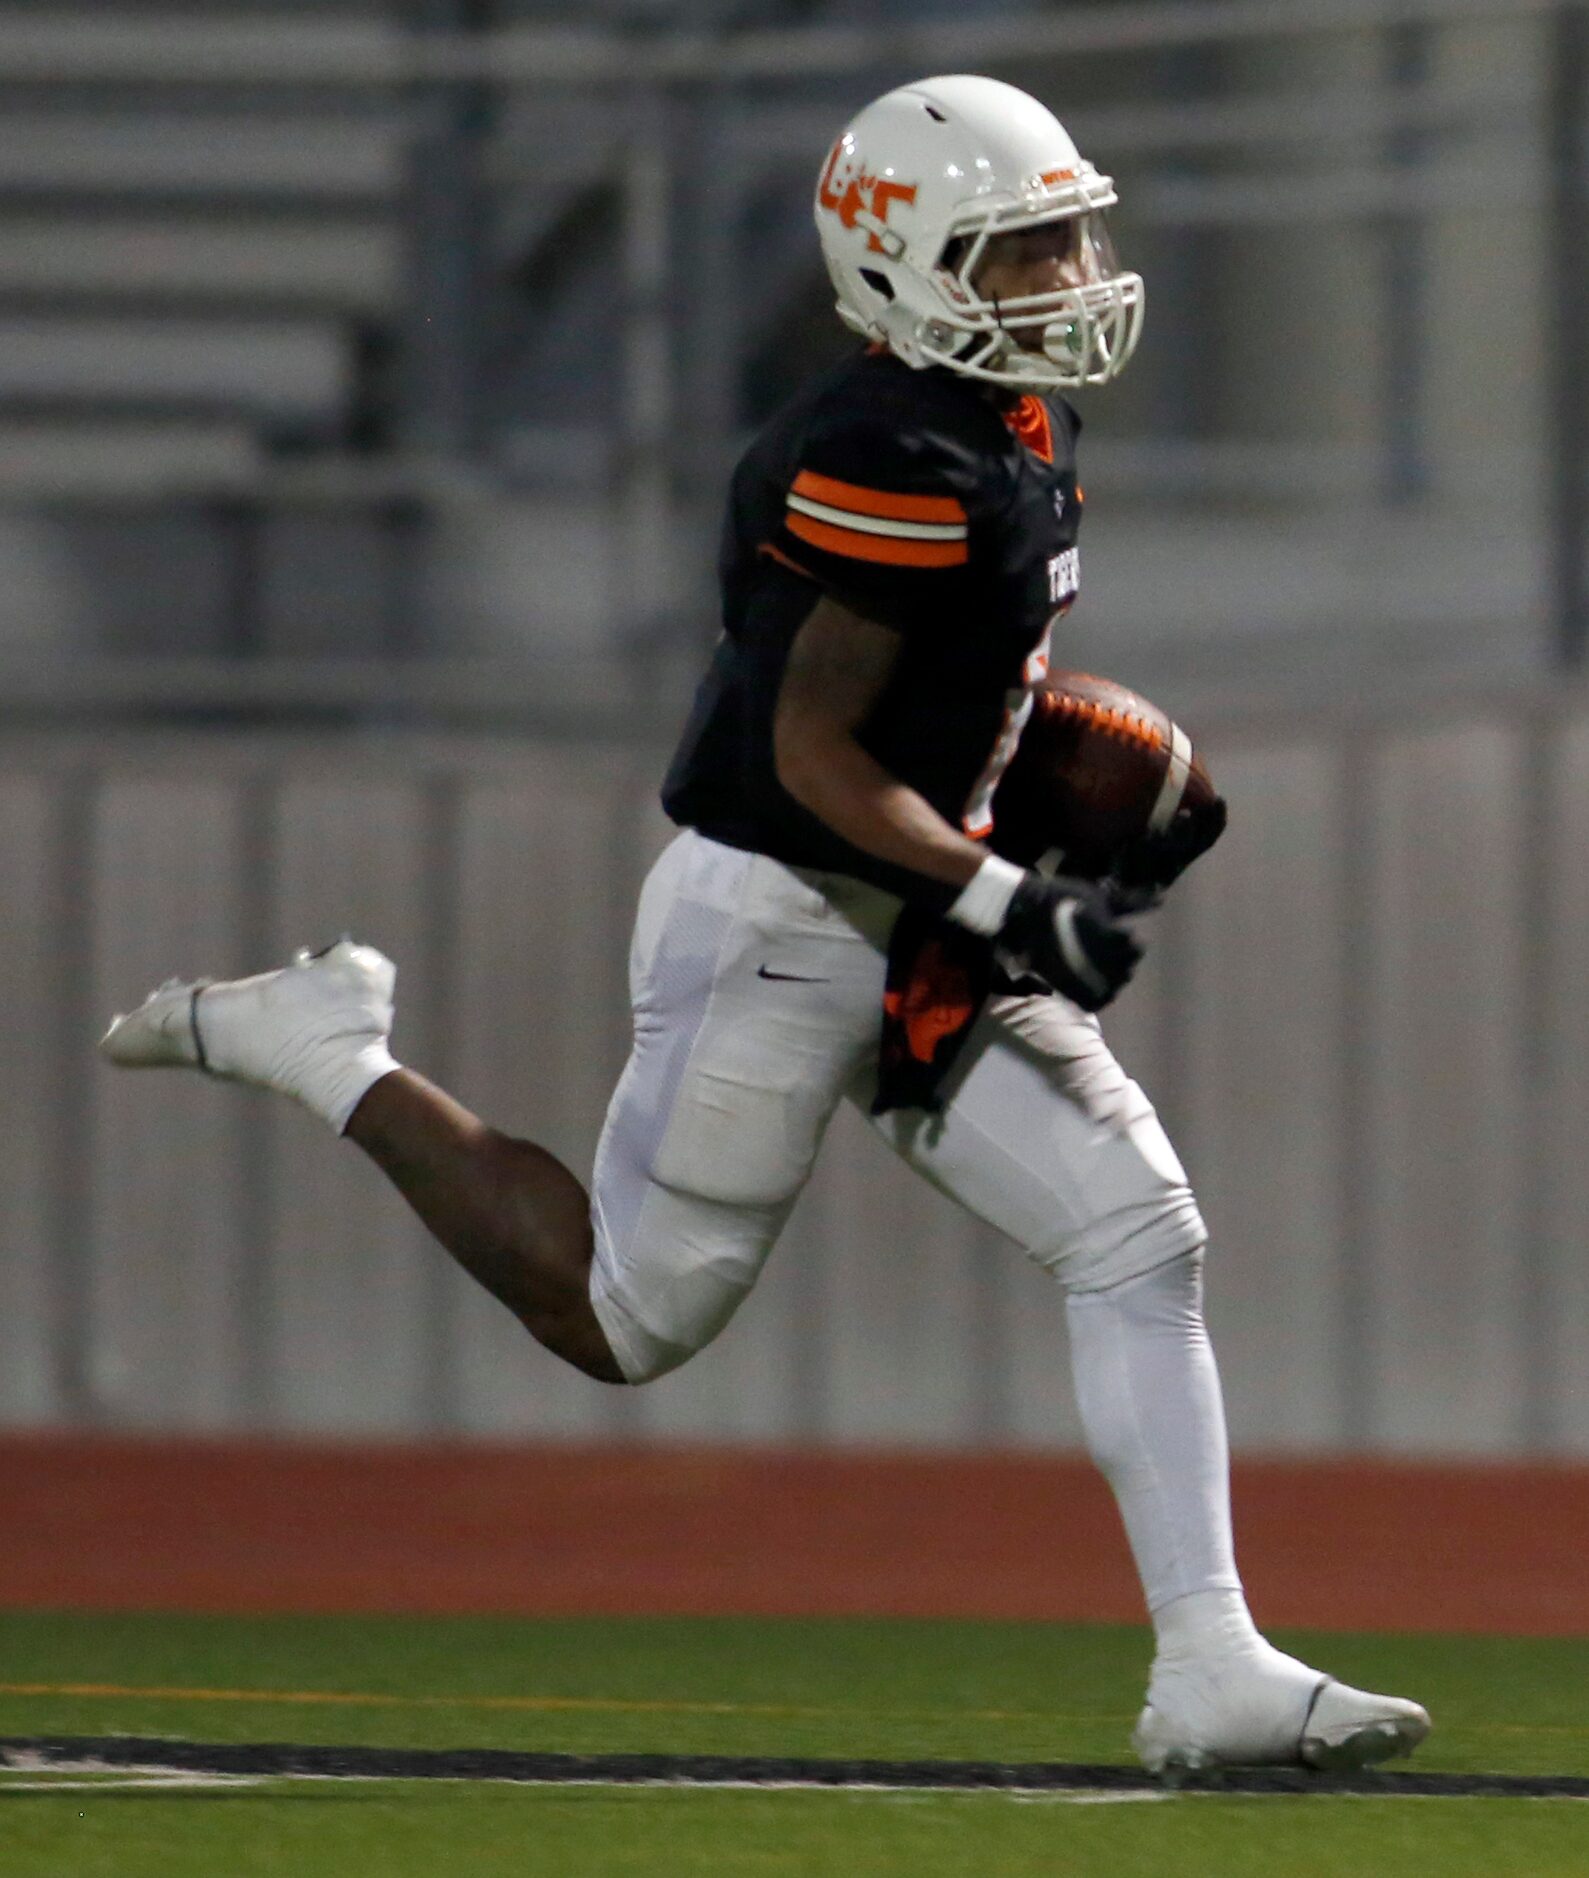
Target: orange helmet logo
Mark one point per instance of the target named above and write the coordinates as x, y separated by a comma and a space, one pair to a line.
851, 197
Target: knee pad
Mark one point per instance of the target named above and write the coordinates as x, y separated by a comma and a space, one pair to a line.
1171, 1292
1146, 1215
687, 1268
639, 1353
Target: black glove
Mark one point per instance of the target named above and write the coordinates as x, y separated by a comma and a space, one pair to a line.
1067, 934
1144, 868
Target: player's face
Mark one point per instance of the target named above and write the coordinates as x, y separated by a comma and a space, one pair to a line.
1048, 258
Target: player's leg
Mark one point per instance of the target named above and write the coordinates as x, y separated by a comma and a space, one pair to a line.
757, 994
1046, 1137
709, 1138
511, 1215
1151, 1405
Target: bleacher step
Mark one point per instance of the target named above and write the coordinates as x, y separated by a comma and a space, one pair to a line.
345, 264
87, 460
350, 157
295, 370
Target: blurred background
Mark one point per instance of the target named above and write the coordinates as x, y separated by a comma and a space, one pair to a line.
369, 378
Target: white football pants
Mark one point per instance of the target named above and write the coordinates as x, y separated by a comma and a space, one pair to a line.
757, 994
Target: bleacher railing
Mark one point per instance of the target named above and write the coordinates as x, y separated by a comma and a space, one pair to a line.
1420, 140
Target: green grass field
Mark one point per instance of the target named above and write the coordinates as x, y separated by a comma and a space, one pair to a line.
895, 1690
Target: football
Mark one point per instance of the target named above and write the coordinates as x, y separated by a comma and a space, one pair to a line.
1096, 767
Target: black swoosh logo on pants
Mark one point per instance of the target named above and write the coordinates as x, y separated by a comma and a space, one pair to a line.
788, 978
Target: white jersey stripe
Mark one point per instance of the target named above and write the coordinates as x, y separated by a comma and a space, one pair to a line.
878, 524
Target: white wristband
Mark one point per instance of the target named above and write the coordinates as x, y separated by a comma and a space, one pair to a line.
985, 899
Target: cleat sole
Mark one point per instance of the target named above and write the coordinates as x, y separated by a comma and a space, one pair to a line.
1365, 1747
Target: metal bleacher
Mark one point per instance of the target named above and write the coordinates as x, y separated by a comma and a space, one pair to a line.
205, 268
450, 314
183, 286
229, 240
214, 259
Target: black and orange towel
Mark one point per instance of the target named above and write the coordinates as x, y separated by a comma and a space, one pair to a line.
877, 524
938, 979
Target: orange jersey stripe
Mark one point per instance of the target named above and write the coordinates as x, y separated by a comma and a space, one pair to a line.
886, 548
878, 502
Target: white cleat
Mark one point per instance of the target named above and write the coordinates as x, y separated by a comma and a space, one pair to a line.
1261, 1708
1350, 1728
162, 1032
315, 1030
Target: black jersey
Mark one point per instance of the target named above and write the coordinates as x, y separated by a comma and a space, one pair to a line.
921, 501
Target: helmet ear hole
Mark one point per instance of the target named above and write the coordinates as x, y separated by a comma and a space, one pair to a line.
880, 284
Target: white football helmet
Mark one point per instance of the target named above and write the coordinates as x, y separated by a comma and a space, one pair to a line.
910, 197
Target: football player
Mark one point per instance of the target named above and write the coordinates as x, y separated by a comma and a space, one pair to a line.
831, 922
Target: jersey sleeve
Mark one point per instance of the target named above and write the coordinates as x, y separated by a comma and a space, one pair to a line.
881, 518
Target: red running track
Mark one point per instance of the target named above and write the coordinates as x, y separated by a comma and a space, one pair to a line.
114, 1524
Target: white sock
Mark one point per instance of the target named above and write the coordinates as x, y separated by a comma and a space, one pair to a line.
1205, 1623
329, 1075
1148, 1391
339, 1087
320, 1039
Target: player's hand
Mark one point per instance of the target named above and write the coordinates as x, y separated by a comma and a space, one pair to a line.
1146, 867
1068, 934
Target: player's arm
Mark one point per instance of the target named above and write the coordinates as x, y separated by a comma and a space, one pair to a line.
838, 667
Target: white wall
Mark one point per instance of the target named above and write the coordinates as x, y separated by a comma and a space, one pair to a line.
1363, 1018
